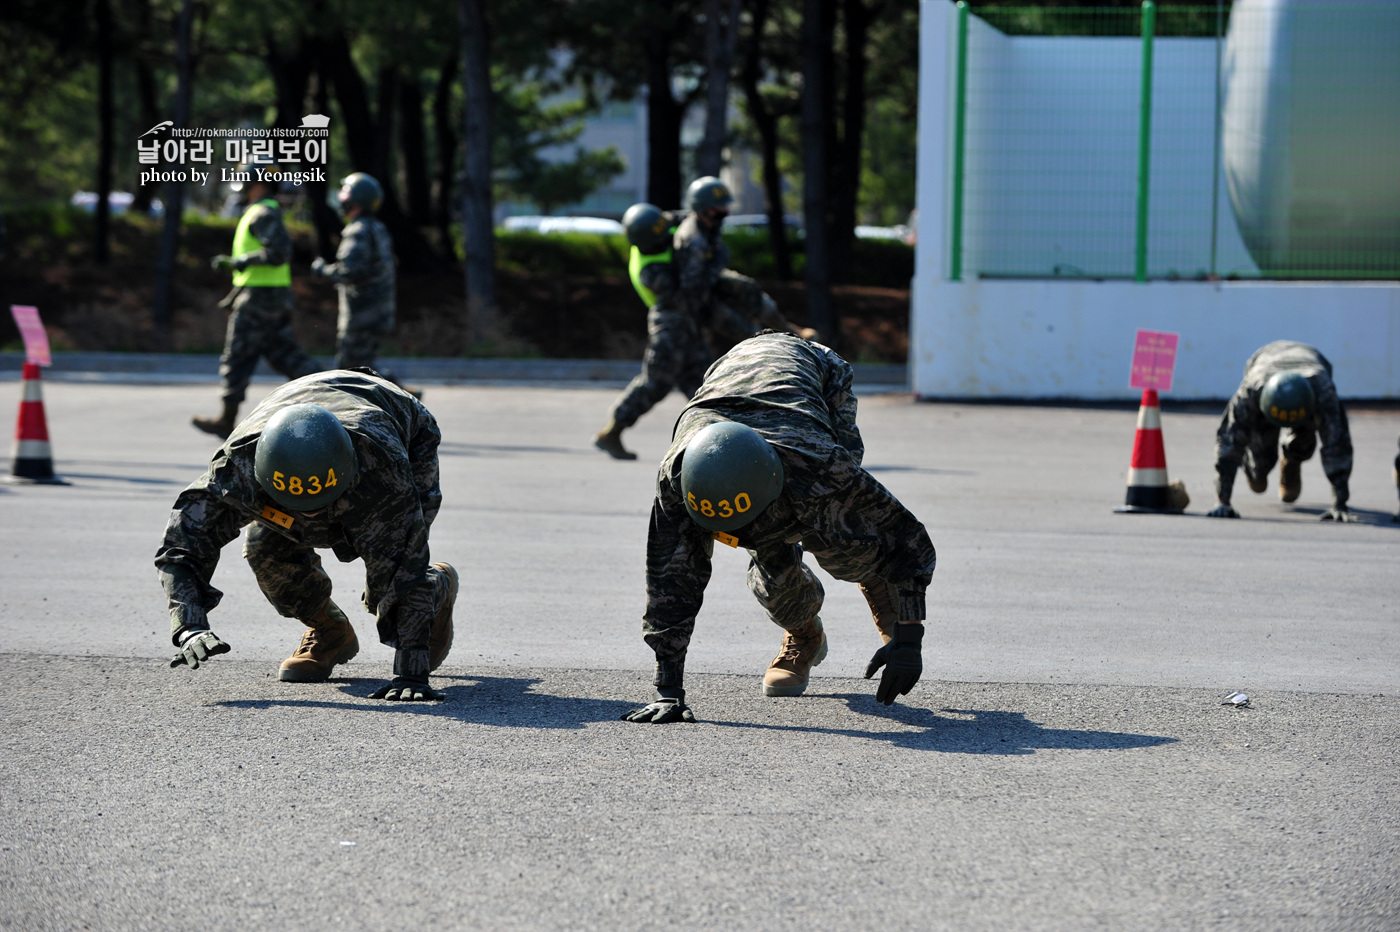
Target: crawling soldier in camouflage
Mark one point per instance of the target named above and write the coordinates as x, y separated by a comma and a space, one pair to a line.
260, 323
708, 289
767, 456
341, 460
1285, 384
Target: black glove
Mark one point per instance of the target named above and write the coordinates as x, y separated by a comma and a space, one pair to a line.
669, 707
196, 645
1338, 513
408, 689
1223, 510
903, 662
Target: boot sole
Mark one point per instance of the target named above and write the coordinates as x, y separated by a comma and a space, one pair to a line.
800, 688
295, 675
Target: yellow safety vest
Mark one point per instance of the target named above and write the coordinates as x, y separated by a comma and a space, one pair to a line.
257, 276
639, 261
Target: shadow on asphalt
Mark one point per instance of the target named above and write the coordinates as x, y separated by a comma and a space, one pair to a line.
968, 731
507, 702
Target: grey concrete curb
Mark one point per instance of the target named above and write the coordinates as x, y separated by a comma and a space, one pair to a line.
175, 368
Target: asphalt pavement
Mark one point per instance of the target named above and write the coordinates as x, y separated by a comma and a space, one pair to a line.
1065, 763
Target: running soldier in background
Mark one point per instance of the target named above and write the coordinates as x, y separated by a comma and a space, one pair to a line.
677, 352
1286, 385
767, 456
708, 288
260, 323
341, 460
363, 272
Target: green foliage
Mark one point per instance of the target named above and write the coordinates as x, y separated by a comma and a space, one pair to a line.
582, 254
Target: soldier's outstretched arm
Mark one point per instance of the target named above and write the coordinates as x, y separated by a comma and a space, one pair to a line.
199, 527
1231, 439
1334, 434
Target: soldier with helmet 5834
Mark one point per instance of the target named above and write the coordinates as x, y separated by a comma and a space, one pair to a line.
1286, 386
340, 460
767, 457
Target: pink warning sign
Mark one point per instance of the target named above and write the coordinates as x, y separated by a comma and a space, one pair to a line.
1154, 358
31, 330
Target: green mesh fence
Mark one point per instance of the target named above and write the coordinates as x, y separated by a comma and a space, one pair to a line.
1259, 141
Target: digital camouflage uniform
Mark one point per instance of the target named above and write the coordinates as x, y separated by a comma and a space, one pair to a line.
383, 518
797, 395
364, 275
732, 307
260, 323
1246, 437
676, 354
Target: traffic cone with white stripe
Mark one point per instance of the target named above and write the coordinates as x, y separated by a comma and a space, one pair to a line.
33, 460
1148, 490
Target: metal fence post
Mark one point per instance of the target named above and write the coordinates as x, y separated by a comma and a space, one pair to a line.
1149, 21
959, 143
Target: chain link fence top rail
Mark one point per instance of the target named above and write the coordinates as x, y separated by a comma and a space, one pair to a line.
1259, 140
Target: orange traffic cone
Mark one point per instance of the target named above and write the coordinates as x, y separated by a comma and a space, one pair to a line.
1147, 475
33, 461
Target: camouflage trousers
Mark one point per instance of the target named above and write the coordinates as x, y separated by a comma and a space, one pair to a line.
290, 575
356, 348
260, 325
1261, 454
676, 358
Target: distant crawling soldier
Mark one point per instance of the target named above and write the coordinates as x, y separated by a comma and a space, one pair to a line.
708, 288
767, 456
341, 460
363, 272
1286, 385
260, 323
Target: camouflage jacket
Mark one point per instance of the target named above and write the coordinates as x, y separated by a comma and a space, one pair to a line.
267, 228
1243, 416
699, 258
797, 395
363, 271
383, 518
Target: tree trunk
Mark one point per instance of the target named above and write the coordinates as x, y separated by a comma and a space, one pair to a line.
326, 220
446, 155
817, 27
663, 124
766, 122
146, 101
101, 242
174, 191
414, 152
478, 234
721, 33
845, 176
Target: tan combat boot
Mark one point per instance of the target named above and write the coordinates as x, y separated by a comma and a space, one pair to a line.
440, 635
328, 641
1257, 484
1290, 480
802, 650
220, 426
609, 440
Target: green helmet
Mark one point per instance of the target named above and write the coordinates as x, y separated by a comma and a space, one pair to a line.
708, 193
648, 228
361, 189
729, 474
1287, 398
305, 459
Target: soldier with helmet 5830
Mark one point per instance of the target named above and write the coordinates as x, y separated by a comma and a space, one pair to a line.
1286, 386
340, 460
767, 457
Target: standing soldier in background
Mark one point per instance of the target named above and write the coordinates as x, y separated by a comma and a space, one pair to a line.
705, 280
340, 460
677, 353
1286, 385
260, 323
767, 456
363, 272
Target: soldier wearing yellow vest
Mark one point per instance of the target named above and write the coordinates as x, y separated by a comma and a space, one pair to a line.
677, 353
260, 323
